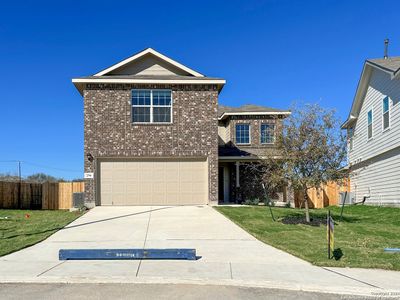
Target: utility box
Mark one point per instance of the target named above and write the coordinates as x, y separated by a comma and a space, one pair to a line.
78, 200
346, 197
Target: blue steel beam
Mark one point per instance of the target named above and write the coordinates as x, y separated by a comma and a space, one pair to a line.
392, 249
121, 254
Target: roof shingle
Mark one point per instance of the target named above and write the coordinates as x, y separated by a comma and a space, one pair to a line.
246, 108
391, 63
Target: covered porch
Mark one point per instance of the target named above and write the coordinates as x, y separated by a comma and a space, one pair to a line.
238, 182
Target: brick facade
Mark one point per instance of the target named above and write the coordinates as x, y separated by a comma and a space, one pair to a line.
255, 147
110, 133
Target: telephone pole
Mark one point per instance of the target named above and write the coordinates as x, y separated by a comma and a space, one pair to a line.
19, 185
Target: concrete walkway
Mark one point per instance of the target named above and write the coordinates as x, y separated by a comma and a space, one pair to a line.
229, 255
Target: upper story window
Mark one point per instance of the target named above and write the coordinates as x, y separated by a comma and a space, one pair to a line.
369, 122
350, 135
385, 113
151, 106
267, 133
242, 133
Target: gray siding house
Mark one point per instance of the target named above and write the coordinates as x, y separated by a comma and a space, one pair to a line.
373, 130
154, 134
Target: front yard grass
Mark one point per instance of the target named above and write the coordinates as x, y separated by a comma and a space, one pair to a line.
18, 231
362, 235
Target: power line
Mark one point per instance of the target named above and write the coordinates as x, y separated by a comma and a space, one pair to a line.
50, 168
41, 166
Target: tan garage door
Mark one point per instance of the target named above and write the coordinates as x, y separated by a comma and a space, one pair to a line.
153, 182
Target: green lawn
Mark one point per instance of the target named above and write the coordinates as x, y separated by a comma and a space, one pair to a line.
17, 231
362, 235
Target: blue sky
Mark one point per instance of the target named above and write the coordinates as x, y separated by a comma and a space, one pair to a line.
270, 52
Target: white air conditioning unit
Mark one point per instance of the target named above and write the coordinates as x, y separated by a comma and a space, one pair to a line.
347, 197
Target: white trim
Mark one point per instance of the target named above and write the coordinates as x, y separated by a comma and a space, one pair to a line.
145, 81
380, 68
155, 53
363, 87
393, 74
351, 138
372, 123
261, 113
348, 121
389, 112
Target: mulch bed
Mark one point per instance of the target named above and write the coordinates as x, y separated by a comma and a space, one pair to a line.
302, 220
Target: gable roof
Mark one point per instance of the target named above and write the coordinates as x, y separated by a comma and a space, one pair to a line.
138, 69
144, 52
389, 65
248, 109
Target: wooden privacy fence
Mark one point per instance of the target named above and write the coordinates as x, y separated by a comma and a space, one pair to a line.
328, 194
49, 195
29, 194
58, 195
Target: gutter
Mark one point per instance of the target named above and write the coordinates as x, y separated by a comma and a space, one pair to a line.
243, 113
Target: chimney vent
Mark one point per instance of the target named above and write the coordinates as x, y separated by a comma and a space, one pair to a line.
385, 54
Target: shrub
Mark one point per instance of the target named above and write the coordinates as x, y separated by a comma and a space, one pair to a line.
252, 202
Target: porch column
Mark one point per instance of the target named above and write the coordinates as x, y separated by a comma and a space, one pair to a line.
237, 174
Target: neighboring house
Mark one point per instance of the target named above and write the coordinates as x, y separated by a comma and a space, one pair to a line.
373, 129
154, 135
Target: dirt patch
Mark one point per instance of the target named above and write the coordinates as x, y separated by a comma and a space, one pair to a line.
302, 220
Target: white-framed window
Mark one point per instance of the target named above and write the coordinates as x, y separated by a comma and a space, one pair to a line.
350, 135
369, 123
267, 133
242, 133
386, 113
151, 106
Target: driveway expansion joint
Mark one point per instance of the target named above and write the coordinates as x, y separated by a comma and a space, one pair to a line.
53, 267
352, 278
145, 240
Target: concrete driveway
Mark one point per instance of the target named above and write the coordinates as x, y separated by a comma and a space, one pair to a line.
229, 255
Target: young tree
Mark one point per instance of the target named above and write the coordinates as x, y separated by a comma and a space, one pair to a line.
313, 149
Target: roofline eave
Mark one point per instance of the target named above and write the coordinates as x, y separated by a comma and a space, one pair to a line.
81, 82
253, 113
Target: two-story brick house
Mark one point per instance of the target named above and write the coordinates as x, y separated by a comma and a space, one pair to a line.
155, 135
373, 129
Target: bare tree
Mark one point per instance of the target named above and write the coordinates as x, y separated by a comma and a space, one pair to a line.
312, 148
8, 177
41, 177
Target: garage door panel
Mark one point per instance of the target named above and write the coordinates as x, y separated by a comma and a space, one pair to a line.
186, 176
158, 182
196, 198
133, 188
199, 187
146, 187
186, 187
159, 187
132, 175
159, 199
